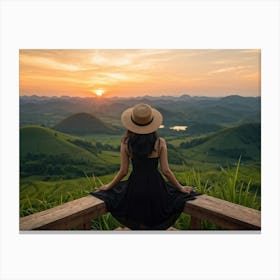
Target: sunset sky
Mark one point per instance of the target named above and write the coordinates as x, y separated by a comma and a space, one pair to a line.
127, 73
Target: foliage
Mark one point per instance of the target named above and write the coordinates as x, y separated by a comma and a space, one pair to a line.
38, 196
105, 222
48, 153
56, 167
62, 166
201, 114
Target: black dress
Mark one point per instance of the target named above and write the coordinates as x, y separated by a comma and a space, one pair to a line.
145, 201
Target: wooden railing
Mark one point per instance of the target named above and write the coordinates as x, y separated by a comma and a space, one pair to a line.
79, 213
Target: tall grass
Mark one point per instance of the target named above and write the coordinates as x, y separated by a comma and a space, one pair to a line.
228, 187
105, 222
38, 195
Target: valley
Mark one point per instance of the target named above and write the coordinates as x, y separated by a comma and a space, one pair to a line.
69, 146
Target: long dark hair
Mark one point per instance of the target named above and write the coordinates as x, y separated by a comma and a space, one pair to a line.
140, 146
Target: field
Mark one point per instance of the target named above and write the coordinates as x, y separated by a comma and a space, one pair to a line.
58, 167
47, 190
37, 195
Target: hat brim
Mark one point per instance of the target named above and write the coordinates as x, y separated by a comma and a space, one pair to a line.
139, 129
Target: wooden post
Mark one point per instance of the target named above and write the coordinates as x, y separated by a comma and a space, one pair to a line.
195, 223
86, 226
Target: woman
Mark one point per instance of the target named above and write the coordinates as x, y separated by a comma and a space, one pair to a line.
145, 201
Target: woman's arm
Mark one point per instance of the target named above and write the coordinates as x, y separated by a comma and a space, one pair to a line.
123, 169
166, 170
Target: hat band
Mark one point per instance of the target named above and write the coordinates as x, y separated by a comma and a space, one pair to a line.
142, 124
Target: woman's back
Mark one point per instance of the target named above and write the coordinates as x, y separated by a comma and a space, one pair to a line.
145, 200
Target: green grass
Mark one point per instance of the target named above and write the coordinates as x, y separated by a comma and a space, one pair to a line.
112, 140
229, 187
214, 174
105, 222
42, 140
227, 144
44, 151
175, 141
36, 195
110, 157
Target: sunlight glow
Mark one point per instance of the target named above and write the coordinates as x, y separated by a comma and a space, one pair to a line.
99, 92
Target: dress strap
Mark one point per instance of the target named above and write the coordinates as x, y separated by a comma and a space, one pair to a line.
125, 142
158, 148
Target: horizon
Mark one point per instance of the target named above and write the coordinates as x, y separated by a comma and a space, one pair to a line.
140, 96
136, 73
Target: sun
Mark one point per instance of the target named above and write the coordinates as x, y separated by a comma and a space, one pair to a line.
99, 92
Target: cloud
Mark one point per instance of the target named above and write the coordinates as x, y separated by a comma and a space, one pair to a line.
227, 69
132, 70
47, 63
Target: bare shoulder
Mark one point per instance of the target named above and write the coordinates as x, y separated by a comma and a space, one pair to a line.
124, 146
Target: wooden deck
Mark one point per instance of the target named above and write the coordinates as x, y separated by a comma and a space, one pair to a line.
74, 214
77, 214
222, 213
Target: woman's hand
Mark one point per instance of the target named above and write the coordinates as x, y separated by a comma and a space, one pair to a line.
186, 189
103, 188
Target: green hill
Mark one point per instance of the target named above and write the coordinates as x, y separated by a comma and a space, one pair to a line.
43, 140
228, 143
44, 151
82, 124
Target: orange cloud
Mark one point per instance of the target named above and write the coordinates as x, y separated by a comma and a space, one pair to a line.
139, 72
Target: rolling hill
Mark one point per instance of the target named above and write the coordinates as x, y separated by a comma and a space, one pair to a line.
229, 143
44, 151
43, 140
82, 124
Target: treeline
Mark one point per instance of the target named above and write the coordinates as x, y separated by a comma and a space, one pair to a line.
97, 148
62, 166
193, 142
231, 153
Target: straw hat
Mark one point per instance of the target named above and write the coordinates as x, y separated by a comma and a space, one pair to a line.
141, 119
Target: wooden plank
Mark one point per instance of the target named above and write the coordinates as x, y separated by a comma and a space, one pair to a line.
69, 215
78, 214
223, 213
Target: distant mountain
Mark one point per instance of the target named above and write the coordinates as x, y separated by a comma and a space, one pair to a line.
186, 110
177, 110
82, 124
